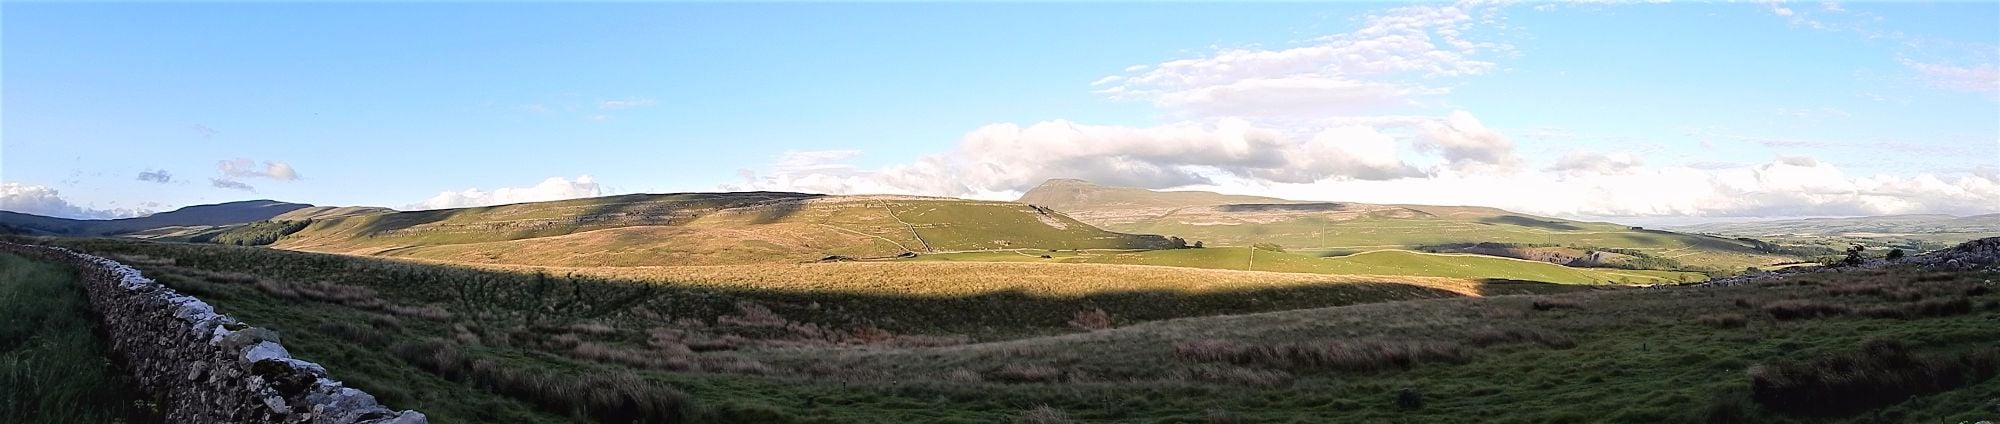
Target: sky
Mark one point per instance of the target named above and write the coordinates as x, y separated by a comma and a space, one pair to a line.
1633, 112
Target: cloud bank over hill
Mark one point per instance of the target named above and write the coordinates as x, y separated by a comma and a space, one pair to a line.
553, 188
46, 201
1328, 120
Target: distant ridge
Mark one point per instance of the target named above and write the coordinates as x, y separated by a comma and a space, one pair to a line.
1336, 228
705, 229
198, 215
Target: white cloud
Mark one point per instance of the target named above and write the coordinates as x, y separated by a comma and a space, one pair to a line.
554, 188
1467, 144
625, 104
47, 201
1982, 78
1363, 164
1391, 59
996, 160
1331, 119
1785, 187
1584, 164
246, 168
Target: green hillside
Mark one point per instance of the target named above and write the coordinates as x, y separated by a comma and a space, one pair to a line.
1379, 262
1335, 228
705, 229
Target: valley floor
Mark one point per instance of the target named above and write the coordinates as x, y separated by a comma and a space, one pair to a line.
487, 344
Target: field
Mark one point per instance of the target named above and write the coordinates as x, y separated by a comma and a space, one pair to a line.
719, 344
52, 368
1374, 262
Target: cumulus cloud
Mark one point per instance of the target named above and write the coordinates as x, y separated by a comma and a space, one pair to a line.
225, 183
1591, 164
246, 168
1783, 187
998, 159
554, 188
159, 176
1363, 165
1391, 59
47, 201
1329, 120
1468, 144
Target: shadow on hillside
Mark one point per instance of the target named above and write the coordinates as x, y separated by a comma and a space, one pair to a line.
679, 208
1284, 207
1503, 287
1529, 222
630, 209
776, 211
472, 291
375, 225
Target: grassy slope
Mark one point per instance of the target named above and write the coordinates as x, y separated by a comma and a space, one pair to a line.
1616, 355
1205, 216
513, 317
1379, 262
1619, 356
52, 368
703, 229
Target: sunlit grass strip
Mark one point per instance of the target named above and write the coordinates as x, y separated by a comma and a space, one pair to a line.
924, 279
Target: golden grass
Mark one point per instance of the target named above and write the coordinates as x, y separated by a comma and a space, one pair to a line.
661, 245
953, 279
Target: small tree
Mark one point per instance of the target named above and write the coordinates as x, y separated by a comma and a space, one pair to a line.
1894, 254
1854, 256
1197, 244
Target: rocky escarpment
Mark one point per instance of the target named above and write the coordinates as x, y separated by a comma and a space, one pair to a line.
208, 367
1972, 255
1976, 254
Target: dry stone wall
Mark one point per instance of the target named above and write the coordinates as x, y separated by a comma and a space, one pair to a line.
208, 367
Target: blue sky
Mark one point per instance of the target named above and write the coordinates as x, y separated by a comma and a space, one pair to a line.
1639, 110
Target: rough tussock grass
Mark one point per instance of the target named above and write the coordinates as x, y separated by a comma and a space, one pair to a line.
1880, 373
53, 368
1654, 355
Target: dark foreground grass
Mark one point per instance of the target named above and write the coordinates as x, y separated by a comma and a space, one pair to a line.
504, 351
53, 369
